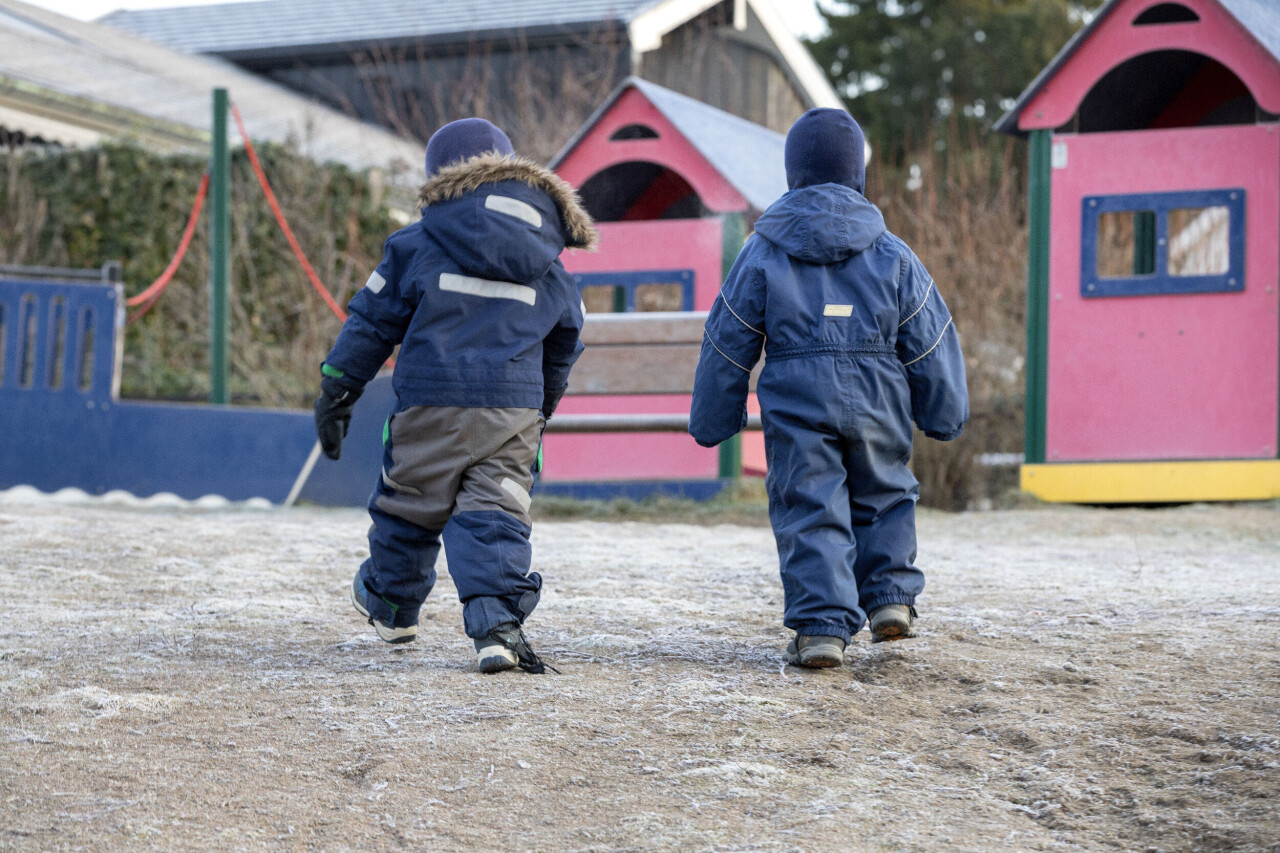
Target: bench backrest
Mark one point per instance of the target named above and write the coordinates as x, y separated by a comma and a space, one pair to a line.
639, 353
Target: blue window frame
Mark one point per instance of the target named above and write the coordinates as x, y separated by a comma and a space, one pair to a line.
1145, 244
672, 290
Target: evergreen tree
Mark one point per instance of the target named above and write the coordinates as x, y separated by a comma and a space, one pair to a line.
903, 66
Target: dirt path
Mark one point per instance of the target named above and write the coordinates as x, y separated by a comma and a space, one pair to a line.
1088, 679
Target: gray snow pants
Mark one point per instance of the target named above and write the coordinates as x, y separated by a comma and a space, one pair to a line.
461, 475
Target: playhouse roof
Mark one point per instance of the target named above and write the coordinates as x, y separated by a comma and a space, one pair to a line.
76, 83
748, 156
1260, 18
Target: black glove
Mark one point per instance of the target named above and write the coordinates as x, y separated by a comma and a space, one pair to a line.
551, 399
333, 414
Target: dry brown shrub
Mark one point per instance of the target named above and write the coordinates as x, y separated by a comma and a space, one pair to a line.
963, 212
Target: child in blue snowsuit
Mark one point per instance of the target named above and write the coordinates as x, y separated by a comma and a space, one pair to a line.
858, 343
488, 324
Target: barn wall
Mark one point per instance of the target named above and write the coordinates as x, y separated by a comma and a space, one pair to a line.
738, 72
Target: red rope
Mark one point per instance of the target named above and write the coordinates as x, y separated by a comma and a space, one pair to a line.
284, 224
148, 297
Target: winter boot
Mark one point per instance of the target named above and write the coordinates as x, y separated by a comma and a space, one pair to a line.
815, 651
506, 648
893, 622
390, 633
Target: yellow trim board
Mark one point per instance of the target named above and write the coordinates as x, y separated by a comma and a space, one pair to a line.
1154, 482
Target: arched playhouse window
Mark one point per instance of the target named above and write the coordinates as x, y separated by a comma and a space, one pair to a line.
1165, 89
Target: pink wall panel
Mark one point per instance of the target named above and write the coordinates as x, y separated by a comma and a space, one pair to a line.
1166, 376
1216, 34
643, 456
660, 244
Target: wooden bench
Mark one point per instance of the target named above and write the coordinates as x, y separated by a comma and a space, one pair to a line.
637, 353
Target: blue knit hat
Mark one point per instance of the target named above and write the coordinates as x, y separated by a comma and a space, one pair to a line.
825, 146
462, 140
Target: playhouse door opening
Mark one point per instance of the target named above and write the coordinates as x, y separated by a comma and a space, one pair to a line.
1165, 89
636, 191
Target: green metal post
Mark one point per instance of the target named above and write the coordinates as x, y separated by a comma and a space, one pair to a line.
220, 247
734, 234
1038, 185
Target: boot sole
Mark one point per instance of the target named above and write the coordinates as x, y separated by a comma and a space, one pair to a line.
817, 662
386, 633
892, 632
496, 658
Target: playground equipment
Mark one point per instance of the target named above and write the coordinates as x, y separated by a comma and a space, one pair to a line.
1153, 364
692, 178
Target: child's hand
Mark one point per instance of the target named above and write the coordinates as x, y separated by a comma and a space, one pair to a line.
333, 415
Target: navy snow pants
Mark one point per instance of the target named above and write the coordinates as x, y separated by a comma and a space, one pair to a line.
842, 508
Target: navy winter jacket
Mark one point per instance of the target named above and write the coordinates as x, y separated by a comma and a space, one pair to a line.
474, 293
856, 335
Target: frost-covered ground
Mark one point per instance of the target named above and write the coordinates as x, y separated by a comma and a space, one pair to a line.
195, 679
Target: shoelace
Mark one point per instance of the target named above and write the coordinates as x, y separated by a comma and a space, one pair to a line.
526, 658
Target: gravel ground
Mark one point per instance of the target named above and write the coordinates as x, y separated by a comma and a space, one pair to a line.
194, 678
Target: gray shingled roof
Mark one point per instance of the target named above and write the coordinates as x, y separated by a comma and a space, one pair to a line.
126, 81
1261, 18
749, 156
234, 28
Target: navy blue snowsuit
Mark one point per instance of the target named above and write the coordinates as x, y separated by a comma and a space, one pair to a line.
486, 318
858, 343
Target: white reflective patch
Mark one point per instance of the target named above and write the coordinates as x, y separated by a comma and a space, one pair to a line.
488, 289
399, 488
376, 282
514, 207
838, 311
518, 492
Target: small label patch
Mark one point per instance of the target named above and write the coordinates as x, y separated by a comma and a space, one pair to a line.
838, 311
376, 282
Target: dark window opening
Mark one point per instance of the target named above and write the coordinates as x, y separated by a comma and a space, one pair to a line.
27, 322
636, 191
86, 349
1165, 89
1166, 13
57, 352
634, 131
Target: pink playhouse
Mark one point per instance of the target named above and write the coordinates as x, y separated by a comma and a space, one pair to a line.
1153, 363
674, 186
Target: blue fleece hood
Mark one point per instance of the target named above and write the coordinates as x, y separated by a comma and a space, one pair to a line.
821, 224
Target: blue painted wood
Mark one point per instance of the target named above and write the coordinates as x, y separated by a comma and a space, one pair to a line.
79, 434
631, 279
1160, 282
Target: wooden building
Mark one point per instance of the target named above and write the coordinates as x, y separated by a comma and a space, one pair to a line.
536, 69
1153, 366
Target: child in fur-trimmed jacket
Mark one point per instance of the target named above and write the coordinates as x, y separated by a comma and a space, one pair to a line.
858, 343
488, 324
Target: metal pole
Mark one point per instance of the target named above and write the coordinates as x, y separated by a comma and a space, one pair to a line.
220, 245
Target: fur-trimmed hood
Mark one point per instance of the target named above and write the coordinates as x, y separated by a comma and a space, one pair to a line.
454, 181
